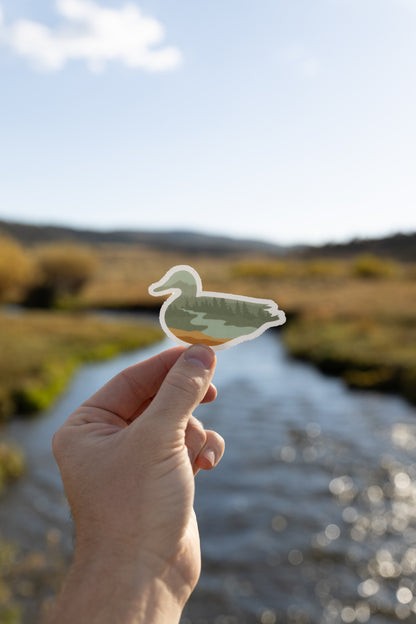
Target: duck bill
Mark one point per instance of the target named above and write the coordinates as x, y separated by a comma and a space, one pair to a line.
157, 288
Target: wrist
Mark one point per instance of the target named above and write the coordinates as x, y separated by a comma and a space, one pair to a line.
176, 569
105, 586
141, 577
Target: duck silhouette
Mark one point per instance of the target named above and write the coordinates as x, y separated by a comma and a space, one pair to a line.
191, 315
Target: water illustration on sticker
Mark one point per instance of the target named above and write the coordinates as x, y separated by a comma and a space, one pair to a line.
191, 315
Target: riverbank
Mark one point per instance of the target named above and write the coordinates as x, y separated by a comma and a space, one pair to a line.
41, 350
348, 323
351, 318
366, 354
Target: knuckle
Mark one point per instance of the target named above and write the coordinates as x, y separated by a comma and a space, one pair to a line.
190, 386
196, 433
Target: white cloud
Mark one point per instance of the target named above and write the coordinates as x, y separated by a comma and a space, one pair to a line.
95, 35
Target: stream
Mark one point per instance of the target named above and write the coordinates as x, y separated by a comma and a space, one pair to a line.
309, 519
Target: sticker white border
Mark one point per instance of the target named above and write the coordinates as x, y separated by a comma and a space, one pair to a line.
176, 292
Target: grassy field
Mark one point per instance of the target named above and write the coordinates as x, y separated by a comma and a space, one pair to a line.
352, 318
359, 327
40, 350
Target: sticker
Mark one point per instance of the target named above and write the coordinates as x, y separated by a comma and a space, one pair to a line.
192, 315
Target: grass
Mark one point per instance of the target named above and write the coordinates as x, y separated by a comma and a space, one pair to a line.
352, 317
366, 354
12, 464
40, 351
30, 578
10, 612
329, 304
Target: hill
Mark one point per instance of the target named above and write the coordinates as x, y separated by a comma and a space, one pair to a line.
177, 240
399, 246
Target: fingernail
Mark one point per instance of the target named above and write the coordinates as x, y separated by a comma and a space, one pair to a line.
209, 455
200, 356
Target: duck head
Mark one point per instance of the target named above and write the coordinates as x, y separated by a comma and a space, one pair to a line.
181, 278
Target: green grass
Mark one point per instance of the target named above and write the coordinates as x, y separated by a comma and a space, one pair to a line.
9, 610
365, 353
40, 351
12, 464
28, 579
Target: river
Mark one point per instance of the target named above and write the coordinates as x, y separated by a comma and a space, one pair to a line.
310, 517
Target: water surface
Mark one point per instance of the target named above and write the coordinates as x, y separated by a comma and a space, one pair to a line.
311, 515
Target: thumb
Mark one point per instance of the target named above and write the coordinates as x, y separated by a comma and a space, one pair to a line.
183, 388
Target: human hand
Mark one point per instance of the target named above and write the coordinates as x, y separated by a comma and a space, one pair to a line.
127, 458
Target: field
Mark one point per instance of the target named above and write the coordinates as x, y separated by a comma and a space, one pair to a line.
352, 318
40, 351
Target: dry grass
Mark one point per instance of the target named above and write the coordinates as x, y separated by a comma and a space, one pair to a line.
314, 287
124, 274
327, 302
40, 350
316, 294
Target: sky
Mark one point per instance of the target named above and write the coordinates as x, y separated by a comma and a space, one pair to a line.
291, 121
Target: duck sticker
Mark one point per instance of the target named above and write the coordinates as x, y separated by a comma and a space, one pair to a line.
191, 315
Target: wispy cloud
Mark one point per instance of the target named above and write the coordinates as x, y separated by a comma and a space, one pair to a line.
93, 34
306, 64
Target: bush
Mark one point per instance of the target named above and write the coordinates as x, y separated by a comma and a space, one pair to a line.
322, 267
16, 268
260, 269
63, 269
12, 463
369, 266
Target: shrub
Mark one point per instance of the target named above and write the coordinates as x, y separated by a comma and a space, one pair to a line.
322, 267
260, 269
63, 269
16, 268
369, 266
12, 463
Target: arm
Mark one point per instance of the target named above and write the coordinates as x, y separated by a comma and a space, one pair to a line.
128, 457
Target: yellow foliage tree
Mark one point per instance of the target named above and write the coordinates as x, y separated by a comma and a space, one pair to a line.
62, 269
16, 267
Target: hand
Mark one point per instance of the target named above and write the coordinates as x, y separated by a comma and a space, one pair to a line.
127, 458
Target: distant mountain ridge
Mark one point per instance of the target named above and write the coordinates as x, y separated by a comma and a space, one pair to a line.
176, 240
398, 246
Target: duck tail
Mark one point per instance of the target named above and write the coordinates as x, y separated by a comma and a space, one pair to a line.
279, 316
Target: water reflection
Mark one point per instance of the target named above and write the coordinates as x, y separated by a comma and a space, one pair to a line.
309, 519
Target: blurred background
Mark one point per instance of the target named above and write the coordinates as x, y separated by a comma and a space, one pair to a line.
271, 146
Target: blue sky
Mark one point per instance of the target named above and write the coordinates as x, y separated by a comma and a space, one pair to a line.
286, 120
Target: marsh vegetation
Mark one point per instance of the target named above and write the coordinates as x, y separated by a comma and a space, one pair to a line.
352, 317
